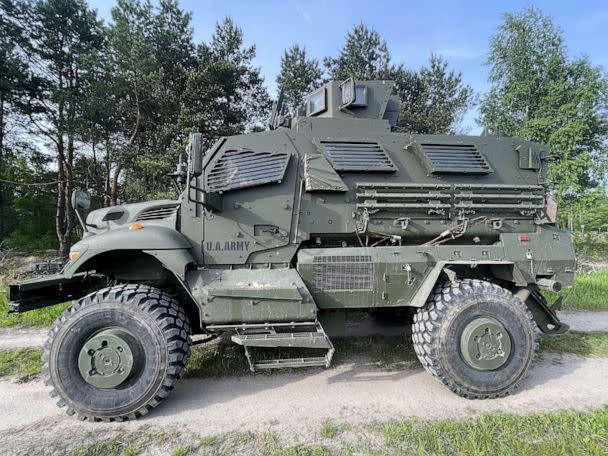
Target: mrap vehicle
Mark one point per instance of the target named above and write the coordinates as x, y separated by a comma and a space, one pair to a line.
277, 235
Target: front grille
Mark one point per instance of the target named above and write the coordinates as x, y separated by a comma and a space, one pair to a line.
343, 273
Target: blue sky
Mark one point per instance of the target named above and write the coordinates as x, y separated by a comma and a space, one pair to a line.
459, 31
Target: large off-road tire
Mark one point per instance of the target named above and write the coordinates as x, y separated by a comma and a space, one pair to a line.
476, 338
117, 353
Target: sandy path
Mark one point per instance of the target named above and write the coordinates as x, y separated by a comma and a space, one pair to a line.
20, 338
297, 403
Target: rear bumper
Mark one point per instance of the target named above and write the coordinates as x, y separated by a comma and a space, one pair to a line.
49, 290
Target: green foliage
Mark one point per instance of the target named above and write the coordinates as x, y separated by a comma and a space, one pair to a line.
29, 212
588, 293
538, 93
586, 212
434, 99
591, 246
299, 75
226, 94
365, 55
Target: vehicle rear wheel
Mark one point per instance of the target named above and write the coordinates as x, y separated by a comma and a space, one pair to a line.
116, 353
476, 338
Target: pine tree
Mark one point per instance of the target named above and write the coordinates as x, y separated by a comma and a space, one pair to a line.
434, 99
226, 94
364, 56
64, 40
299, 76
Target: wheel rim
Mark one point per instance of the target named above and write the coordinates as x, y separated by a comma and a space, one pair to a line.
106, 359
485, 344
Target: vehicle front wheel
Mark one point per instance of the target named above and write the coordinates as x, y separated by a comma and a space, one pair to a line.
476, 338
116, 353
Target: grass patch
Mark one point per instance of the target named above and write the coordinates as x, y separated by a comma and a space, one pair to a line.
22, 362
328, 429
180, 451
39, 317
542, 434
579, 343
589, 292
107, 448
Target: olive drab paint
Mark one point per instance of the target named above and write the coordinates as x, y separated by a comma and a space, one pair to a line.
330, 210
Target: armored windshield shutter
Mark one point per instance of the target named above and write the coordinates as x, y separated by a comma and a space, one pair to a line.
357, 156
454, 159
246, 168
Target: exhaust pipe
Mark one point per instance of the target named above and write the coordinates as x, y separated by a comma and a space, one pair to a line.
550, 285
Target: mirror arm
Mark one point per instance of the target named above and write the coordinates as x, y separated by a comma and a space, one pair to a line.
81, 221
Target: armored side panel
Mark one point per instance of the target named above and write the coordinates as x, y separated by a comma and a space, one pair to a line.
251, 296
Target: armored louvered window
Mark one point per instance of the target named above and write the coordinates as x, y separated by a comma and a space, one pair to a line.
454, 158
246, 168
357, 156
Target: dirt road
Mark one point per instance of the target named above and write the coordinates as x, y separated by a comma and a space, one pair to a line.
296, 404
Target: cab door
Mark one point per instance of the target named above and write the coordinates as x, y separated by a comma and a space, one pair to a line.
256, 177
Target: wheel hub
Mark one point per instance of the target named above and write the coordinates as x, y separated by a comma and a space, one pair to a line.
106, 359
485, 344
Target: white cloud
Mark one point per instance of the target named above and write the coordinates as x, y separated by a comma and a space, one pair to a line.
301, 11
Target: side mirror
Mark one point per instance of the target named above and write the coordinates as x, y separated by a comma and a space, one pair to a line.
81, 200
195, 154
349, 92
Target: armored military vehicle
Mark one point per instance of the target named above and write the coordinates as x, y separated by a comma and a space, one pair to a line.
278, 235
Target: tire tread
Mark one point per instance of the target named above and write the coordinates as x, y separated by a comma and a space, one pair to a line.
171, 320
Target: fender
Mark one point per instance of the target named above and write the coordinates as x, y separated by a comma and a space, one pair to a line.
169, 246
544, 316
419, 299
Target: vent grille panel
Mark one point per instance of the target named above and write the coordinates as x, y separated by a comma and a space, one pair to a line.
357, 156
246, 168
343, 273
157, 213
455, 158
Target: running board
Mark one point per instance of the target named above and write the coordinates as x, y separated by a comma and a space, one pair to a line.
268, 337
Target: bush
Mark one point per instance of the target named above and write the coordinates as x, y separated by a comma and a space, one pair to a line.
592, 246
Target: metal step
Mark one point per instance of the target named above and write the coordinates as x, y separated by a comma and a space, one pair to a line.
270, 338
302, 340
313, 361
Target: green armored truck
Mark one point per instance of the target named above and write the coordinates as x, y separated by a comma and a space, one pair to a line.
278, 235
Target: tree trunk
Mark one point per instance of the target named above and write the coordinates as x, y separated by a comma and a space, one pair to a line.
60, 228
114, 196
2, 215
69, 188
